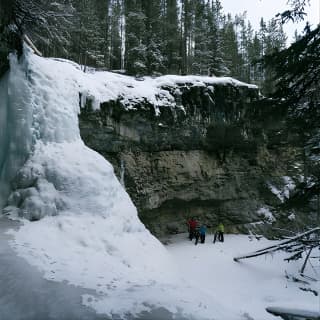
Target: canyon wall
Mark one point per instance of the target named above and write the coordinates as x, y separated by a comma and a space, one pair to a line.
220, 155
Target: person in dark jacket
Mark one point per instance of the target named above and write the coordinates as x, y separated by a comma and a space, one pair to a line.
197, 235
192, 225
202, 231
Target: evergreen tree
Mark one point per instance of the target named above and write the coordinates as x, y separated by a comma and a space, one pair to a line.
48, 24
172, 37
187, 35
231, 55
115, 35
216, 64
275, 40
102, 9
296, 71
255, 56
244, 40
87, 38
135, 33
201, 50
154, 42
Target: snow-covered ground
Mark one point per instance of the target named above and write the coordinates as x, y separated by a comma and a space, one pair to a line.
245, 287
26, 295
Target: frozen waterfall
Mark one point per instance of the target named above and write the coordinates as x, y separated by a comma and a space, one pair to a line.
15, 125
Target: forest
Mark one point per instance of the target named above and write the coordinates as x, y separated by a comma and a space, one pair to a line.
153, 37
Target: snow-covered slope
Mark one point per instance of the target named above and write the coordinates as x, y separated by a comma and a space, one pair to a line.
79, 225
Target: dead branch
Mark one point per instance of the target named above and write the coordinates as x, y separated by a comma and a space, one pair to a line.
286, 244
31, 45
305, 261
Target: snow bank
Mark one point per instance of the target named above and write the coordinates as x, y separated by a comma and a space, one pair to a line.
102, 86
131, 91
79, 225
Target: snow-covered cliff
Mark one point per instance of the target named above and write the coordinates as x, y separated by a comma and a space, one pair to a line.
197, 146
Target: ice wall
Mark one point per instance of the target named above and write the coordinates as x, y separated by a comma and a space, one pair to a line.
15, 125
58, 174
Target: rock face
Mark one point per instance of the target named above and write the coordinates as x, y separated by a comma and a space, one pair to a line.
217, 157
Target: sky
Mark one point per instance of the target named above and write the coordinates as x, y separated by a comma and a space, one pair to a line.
268, 9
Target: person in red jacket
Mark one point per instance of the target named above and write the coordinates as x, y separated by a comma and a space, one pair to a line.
192, 225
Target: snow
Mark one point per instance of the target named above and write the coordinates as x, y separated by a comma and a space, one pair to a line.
266, 214
244, 288
248, 286
103, 86
288, 186
80, 227
131, 91
276, 192
292, 216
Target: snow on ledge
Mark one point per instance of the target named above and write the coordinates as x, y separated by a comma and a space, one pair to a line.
104, 86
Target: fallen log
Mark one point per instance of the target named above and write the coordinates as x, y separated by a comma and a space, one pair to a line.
31, 45
280, 246
293, 314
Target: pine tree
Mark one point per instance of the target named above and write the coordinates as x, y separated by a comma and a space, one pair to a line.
255, 56
201, 50
87, 37
295, 73
244, 40
186, 35
115, 18
172, 37
275, 40
231, 55
102, 9
216, 65
135, 33
155, 62
48, 24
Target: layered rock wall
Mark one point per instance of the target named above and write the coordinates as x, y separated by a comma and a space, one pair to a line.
213, 156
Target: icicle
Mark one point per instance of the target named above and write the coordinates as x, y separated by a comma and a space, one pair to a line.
122, 170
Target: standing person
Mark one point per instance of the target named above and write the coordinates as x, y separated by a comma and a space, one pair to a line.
196, 235
203, 230
192, 224
219, 233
